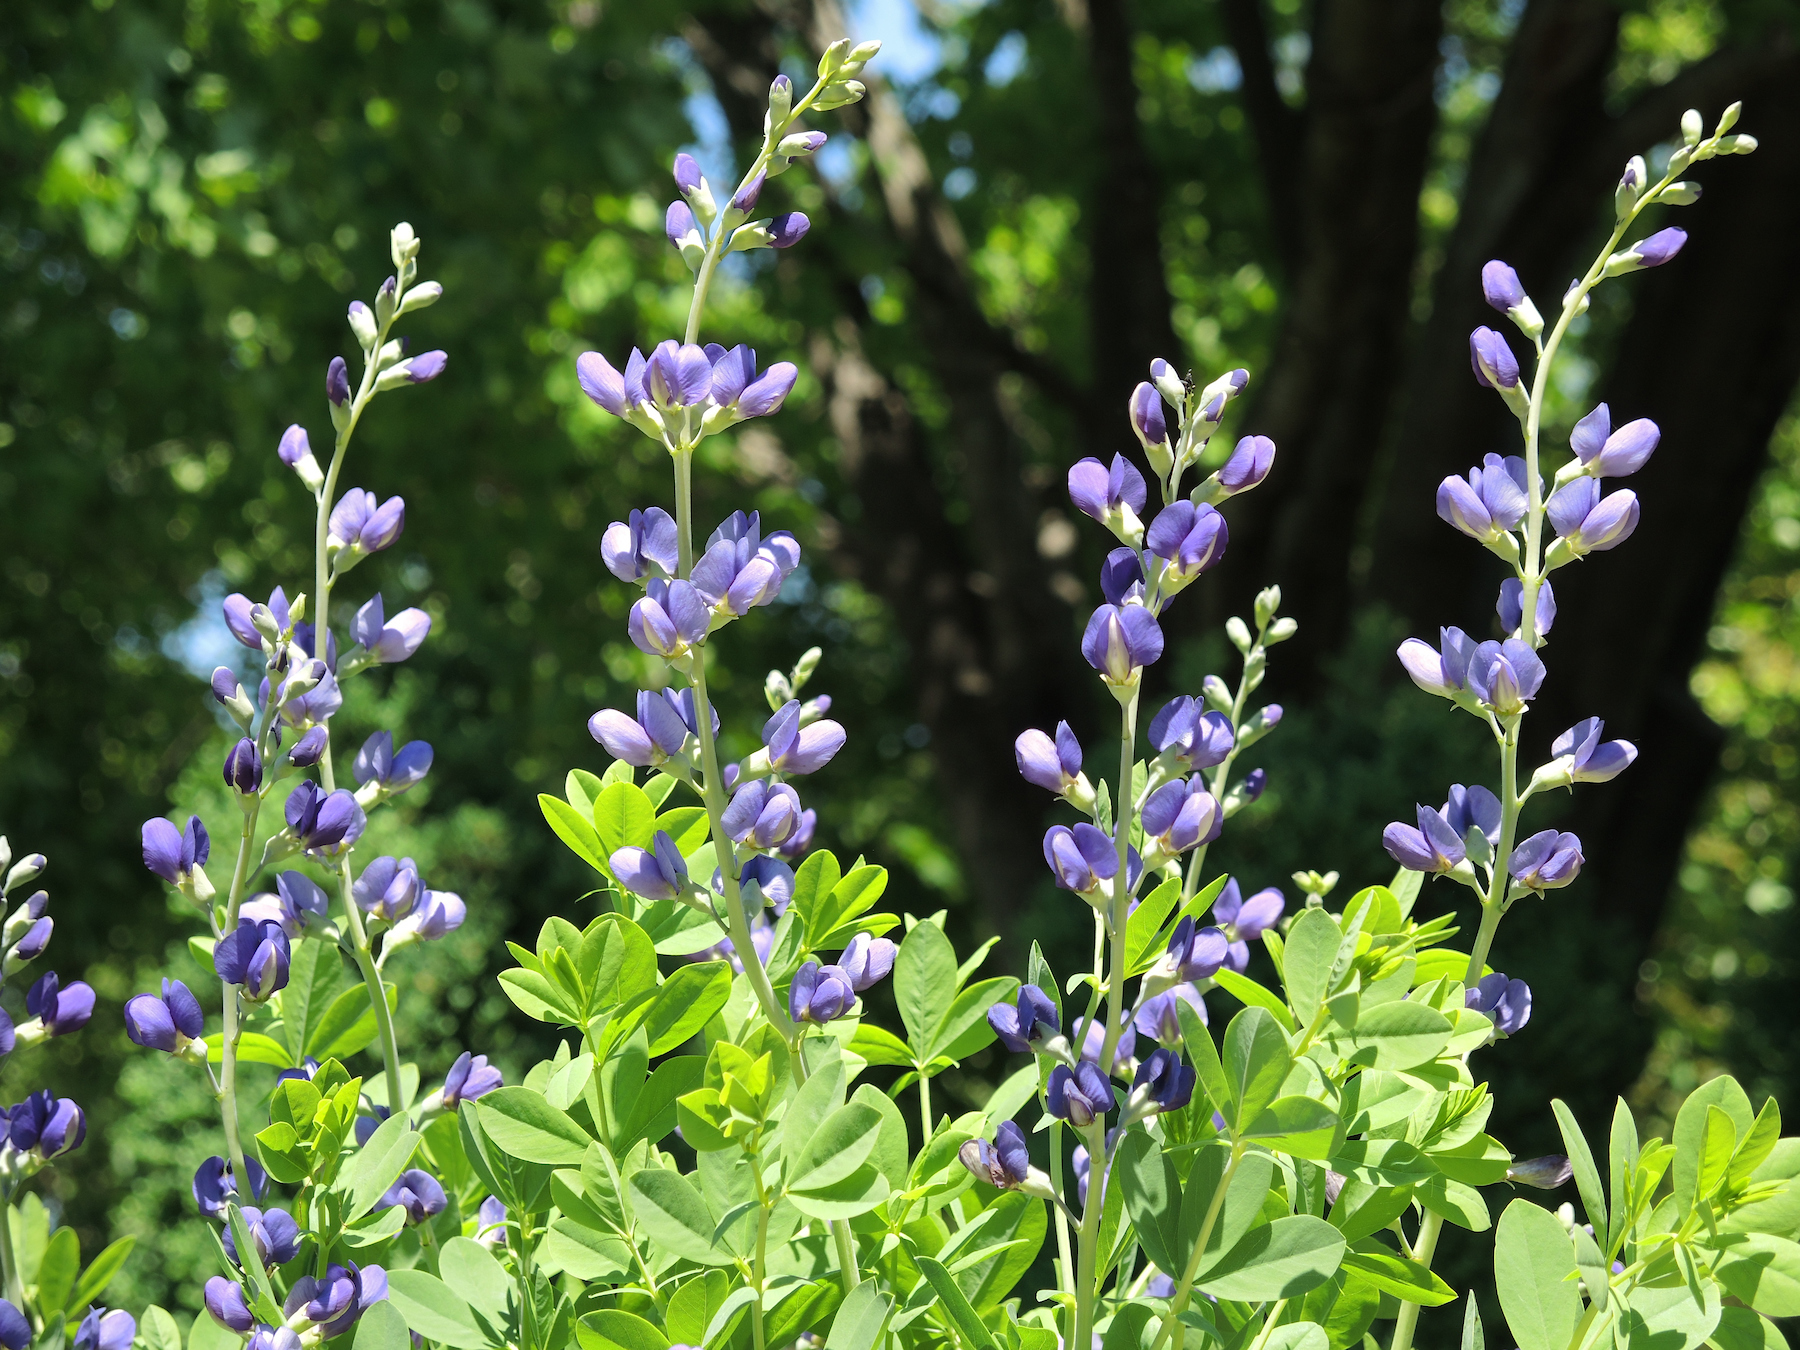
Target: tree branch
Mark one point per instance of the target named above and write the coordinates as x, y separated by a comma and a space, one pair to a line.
1277, 126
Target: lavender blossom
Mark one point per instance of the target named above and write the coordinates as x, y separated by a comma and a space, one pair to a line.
670, 618
1488, 503
1080, 1095
762, 814
1249, 464
388, 888
1028, 1023
1145, 409
1511, 607
1506, 1003
214, 1184
820, 994
389, 640
176, 855
1586, 522
1120, 641
1115, 497
741, 570
1243, 921
418, 1193
1005, 1163
255, 957
241, 615
1190, 736
1055, 765
1473, 808
1653, 251
1197, 953
391, 771
1188, 538
168, 1023
643, 545
276, 1235
359, 526
1122, 577
1606, 453
1081, 858
225, 1300
867, 960
1441, 670
1180, 815
470, 1077
1506, 675
324, 824
1492, 360
56, 1010
1434, 847
1583, 757
1545, 861
101, 1330
656, 873
789, 747
1158, 1017
1162, 1083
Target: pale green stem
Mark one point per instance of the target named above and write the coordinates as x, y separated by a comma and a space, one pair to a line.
9, 1263
1221, 778
762, 1244
228, 1039
1184, 1286
1408, 1320
1066, 1278
1121, 899
1088, 1241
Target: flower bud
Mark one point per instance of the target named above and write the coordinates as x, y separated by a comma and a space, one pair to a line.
801, 144
403, 244
1692, 128
781, 101
243, 768
422, 296
1268, 601
1631, 186
337, 382
1680, 194
362, 324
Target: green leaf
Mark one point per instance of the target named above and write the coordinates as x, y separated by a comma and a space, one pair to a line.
1241, 1211
1397, 1035
1472, 1338
1666, 1317
614, 1329
314, 973
924, 980
96, 1277
478, 1279
1297, 1336
850, 897
879, 1046
1740, 1329
670, 1213
967, 1321
685, 1003
1363, 1208
1534, 1267
1127, 1329
347, 1024
373, 1167
623, 815
1145, 925
891, 1154
1690, 1129
1380, 909
375, 1226
582, 788
1456, 1201
692, 1307
381, 1327
1764, 1272
686, 826
1253, 995
1312, 945
653, 1109
433, 1309
862, 1320
158, 1331
838, 1148
964, 1028
616, 961
1297, 1126
1152, 1191
1278, 1260
522, 1124
856, 1194
206, 1334
1396, 1275
57, 1271
1256, 1062
1204, 1056
253, 1048
1623, 1148
813, 883
576, 832
1757, 1144
1587, 1176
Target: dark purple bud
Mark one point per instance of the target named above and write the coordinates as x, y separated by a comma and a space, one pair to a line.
470, 1077
294, 445
1051, 765
427, 366
1189, 538
388, 888
1081, 858
1492, 359
1100, 492
1197, 953
237, 610
1080, 1095
820, 993
61, 1010
166, 1023
1163, 1082
1005, 1163
243, 767
418, 1193
103, 1330
788, 229
255, 957
310, 748
744, 200
1147, 419
1506, 1003
225, 686
1249, 464
276, 1235
1028, 1023
36, 938
1500, 286
337, 382
1546, 1173
1181, 814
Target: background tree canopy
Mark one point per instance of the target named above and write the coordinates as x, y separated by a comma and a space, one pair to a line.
1043, 195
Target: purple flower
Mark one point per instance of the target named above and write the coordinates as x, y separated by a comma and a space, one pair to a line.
50, 1126
1435, 846
15, 1331
1492, 360
324, 823
1158, 1017
1197, 953
225, 1298
427, 366
276, 1235
255, 956
1080, 1095
310, 748
801, 839
681, 227
1506, 1003
820, 993
1506, 675
243, 767
1005, 1163
605, 385
643, 545
761, 813
337, 382
308, 696
338, 1298
418, 1193
174, 855
1081, 858
687, 174
1473, 808
740, 569
167, 1023
470, 1077
1545, 861
1104, 493
1122, 576
60, 1010
1162, 1083
436, 914
737, 386
393, 770
657, 734
1026, 1024
867, 960
792, 748
1588, 522
788, 229
1052, 765
1613, 454
102, 1330
361, 526
35, 939
678, 375
670, 618
388, 888
299, 903
1182, 814
1444, 672
1490, 501
772, 879
241, 613
1120, 641
1511, 606
1244, 921
1546, 1173
490, 1222
1658, 248
1191, 736
1589, 759
1187, 537
745, 198
388, 640
1249, 464
1147, 420
656, 873
294, 445
1500, 287
214, 1184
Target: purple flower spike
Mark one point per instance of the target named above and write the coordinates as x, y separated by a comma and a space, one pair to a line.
1005, 1163
1024, 1026
820, 994
1589, 523
1500, 286
788, 229
1158, 1018
1080, 1095
1249, 464
1587, 758
470, 1077
389, 640
677, 375
337, 382
868, 960
1506, 675
1545, 861
769, 391
793, 748
1435, 846
1121, 640
325, 823
1492, 359
656, 873
388, 888
1659, 247
243, 767
1051, 765
1147, 419
1506, 1003
1244, 921
1441, 670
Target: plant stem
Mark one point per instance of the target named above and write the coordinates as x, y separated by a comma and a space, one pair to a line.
228, 1039
762, 1243
1088, 1241
1221, 778
1066, 1278
1183, 1286
1493, 907
1429, 1228
9, 1263
527, 1308
1121, 899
